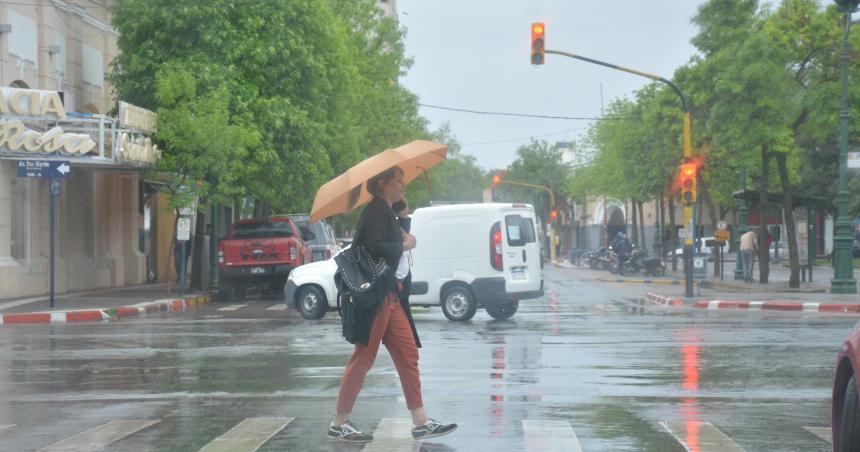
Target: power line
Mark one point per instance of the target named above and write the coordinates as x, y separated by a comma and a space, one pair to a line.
525, 115
520, 138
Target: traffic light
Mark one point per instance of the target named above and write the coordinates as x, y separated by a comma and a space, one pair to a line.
687, 181
553, 215
537, 42
497, 179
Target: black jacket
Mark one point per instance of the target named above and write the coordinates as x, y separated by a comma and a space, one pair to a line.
379, 232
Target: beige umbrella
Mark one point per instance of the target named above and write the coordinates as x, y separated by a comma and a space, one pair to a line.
349, 190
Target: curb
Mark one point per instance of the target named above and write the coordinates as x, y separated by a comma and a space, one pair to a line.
668, 282
723, 286
108, 314
831, 308
658, 299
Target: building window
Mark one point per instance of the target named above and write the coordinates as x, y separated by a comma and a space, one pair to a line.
23, 38
93, 66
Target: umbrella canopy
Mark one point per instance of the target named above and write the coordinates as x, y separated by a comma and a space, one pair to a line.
349, 190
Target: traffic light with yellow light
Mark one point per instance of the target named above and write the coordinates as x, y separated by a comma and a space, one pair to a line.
687, 182
497, 179
538, 30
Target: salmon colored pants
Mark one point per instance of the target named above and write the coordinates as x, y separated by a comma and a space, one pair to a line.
391, 327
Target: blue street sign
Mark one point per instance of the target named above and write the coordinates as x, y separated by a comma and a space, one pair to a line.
44, 168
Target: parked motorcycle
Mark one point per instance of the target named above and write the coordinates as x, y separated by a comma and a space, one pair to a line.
639, 261
593, 258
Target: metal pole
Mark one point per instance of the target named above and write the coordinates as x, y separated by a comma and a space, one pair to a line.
688, 148
182, 269
55, 188
843, 272
213, 247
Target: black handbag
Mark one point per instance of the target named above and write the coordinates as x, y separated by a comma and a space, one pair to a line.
360, 285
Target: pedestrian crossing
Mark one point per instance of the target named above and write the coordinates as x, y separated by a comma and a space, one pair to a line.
394, 435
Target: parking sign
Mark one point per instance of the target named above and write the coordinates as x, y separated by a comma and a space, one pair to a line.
183, 229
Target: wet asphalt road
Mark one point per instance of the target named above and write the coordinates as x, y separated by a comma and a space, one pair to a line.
613, 376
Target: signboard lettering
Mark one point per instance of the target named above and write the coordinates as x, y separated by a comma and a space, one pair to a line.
43, 168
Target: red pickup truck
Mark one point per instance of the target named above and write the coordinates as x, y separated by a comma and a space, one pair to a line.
260, 252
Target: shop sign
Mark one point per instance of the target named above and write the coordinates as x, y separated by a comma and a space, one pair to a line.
137, 150
38, 105
31, 102
134, 117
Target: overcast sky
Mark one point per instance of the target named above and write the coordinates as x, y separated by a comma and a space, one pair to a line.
474, 54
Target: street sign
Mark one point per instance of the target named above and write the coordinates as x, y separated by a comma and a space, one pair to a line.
721, 235
683, 233
183, 229
722, 226
853, 160
44, 168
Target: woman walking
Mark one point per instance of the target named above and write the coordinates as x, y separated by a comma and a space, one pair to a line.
390, 324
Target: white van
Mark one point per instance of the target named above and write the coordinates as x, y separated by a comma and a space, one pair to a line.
468, 256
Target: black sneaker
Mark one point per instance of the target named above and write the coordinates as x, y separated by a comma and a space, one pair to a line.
347, 433
431, 429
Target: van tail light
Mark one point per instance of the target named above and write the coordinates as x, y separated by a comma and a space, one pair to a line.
294, 253
496, 246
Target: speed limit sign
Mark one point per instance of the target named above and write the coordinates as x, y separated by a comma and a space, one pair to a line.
183, 229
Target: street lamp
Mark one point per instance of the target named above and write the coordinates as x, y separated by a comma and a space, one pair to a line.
843, 271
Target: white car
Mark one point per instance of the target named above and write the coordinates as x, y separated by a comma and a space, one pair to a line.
468, 256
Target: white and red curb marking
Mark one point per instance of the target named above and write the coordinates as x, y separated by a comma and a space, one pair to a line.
838, 308
100, 315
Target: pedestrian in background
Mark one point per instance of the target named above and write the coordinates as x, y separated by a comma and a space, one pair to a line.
390, 323
749, 248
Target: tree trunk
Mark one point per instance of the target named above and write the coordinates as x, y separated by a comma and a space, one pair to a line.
672, 243
642, 224
662, 213
764, 182
170, 262
197, 251
635, 223
788, 207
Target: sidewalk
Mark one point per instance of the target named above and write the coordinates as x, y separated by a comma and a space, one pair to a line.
98, 305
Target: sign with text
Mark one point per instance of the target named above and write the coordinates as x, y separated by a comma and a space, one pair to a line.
721, 236
183, 229
853, 160
44, 168
722, 226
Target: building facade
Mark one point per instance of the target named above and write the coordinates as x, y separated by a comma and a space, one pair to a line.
54, 106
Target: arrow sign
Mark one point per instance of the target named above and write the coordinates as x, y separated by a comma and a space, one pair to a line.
44, 168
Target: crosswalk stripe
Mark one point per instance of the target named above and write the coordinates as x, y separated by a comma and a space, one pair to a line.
822, 432
99, 437
393, 435
701, 437
248, 435
232, 307
6, 427
550, 436
277, 307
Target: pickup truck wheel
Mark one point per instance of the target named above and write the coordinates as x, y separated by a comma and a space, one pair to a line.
503, 311
311, 303
459, 304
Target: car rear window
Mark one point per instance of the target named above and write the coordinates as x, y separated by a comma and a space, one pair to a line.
260, 230
520, 230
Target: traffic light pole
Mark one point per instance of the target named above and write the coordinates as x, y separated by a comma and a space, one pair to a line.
688, 153
551, 208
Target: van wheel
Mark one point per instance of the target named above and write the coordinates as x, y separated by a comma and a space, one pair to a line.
311, 303
503, 311
459, 304
849, 426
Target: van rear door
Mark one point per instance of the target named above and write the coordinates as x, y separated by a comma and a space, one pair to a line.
521, 250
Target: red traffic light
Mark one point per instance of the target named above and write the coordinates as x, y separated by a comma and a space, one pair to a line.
538, 30
687, 182
553, 215
497, 180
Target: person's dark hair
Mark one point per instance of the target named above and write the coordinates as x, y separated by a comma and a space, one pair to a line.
385, 176
398, 206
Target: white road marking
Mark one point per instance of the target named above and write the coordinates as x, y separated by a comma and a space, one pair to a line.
811, 307
821, 432
549, 436
392, 435
277, 307
756, 305
6, 427
701, 437
715, 304
248, 435
99, 437
232, 307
